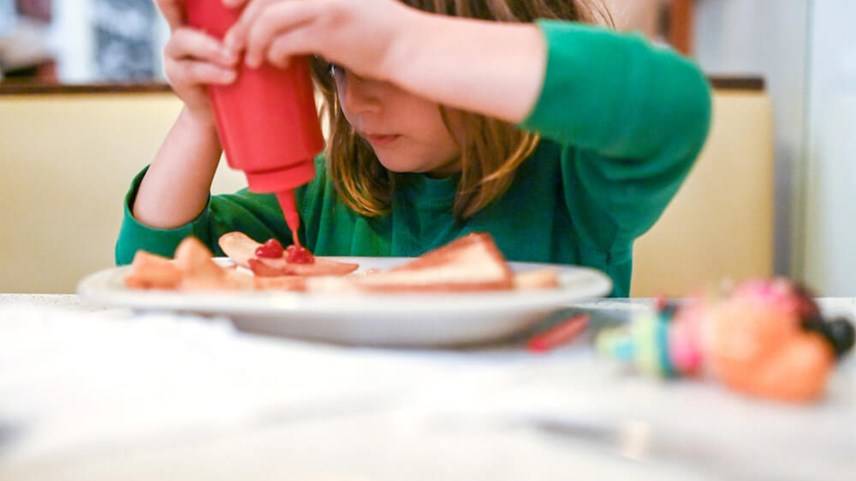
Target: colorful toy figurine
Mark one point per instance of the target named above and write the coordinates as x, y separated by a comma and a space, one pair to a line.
765, 338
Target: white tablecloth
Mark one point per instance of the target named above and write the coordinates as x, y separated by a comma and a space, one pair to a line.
105, 395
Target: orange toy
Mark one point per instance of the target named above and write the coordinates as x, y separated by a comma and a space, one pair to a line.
765, 338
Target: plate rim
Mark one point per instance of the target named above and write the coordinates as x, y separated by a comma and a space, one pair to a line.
91, 289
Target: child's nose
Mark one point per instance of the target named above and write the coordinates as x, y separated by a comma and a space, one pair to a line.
360, 96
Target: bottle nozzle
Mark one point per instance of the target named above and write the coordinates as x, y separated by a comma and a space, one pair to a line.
288, 203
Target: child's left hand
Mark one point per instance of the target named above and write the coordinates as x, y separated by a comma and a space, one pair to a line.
358, 35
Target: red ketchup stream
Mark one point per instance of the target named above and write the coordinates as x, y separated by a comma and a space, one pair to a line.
294, 254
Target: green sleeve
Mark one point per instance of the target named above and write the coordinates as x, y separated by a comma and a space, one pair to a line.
256, 215
631, 118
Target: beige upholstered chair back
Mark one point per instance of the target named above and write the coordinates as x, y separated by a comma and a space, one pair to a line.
67, 160
720, 225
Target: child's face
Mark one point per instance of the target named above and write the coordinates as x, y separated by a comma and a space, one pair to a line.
406, 132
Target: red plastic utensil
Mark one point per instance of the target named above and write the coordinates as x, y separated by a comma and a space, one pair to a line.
558, 335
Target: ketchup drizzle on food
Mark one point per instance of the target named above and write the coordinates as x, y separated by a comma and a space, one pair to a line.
294, 254
297, 254
271, 249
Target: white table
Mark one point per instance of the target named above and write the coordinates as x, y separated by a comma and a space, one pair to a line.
103, 395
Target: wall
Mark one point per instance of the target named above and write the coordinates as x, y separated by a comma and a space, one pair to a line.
7, 16
768, 38
82, 28
73, 40
829, 218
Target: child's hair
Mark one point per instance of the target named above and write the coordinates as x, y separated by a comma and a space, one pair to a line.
491, 150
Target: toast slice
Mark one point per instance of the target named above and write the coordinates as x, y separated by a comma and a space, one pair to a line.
471, 263
545, 278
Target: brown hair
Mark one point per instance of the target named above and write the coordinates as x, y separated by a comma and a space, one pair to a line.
491, 150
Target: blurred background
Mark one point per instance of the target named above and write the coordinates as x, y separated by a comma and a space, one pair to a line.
83, 106
80, 41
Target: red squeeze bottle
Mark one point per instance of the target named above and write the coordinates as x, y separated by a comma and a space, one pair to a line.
266, 119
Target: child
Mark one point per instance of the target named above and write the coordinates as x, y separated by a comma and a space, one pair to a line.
563, 140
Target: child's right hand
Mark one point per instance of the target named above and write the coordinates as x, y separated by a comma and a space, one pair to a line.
176, 186
192, 60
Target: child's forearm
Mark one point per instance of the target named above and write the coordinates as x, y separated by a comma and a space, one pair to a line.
495, 69
177, 185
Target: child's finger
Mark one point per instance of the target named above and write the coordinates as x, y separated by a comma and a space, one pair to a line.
236, 37
195, 72
283, 47
234, 3
278, 19
187, 43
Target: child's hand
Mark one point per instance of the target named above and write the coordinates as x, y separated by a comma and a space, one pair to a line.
359, 35
193, 59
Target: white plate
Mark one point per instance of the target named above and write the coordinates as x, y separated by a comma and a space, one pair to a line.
376, 319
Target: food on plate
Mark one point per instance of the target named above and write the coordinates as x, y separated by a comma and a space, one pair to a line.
276, 261
194, 269
546, 278
469, 264
150, 271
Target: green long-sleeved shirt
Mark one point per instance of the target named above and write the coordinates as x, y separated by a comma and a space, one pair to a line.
622, 122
